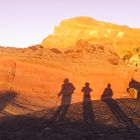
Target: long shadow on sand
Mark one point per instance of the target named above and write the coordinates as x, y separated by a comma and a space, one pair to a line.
39, 126
88, 113
116, 109
67, 89
34, 127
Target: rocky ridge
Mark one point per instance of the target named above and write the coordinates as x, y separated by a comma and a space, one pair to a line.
122, 39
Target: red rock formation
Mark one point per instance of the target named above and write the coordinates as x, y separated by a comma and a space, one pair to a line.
122, 38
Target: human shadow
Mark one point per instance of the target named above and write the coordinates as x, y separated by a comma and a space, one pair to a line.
67, 89
38, 126
115, 108
6, 98
88, 114
135, 84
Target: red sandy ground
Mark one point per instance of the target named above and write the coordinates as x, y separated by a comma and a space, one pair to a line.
37, 75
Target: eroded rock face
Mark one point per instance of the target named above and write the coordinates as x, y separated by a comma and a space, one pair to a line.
121, 38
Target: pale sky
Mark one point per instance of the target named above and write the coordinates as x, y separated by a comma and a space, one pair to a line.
28, 22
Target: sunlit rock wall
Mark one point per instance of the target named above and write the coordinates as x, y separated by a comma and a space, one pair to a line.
122, 38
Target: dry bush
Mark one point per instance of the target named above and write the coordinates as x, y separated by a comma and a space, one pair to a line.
113, 61
55, 50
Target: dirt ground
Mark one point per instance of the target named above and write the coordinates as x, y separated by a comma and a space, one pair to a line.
92, 120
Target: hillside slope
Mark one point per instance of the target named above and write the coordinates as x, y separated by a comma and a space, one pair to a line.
37, 74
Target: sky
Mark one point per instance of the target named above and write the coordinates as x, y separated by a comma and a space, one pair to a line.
27, 22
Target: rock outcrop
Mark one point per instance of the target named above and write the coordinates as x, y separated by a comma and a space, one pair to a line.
123, 39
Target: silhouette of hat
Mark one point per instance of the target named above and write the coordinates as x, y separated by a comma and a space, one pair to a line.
66, 80
87, 84
108, 85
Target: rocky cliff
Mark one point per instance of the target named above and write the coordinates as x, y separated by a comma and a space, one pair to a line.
123, 39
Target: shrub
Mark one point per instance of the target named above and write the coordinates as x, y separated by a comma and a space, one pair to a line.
113, 61
55, 50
